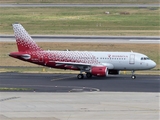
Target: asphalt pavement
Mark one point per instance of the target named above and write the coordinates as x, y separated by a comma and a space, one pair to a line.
69, 83
95, 39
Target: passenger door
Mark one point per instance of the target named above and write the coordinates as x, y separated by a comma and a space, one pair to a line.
132, 59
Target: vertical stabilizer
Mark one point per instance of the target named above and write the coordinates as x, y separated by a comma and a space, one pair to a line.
24, 40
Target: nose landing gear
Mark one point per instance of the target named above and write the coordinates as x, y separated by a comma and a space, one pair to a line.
133, 75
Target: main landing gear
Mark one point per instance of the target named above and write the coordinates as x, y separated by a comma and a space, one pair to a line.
81, 76
133, 76
88, 75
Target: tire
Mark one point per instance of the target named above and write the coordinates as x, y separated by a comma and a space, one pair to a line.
88, 75
80, 76
133, 77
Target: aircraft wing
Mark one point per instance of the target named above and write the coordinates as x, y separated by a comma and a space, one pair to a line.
82, 65
72, 64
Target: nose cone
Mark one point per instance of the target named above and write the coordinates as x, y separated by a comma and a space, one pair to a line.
152, 64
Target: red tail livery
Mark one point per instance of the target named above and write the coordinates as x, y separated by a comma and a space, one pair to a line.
24, 41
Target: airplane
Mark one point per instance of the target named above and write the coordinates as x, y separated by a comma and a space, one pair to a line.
91, 63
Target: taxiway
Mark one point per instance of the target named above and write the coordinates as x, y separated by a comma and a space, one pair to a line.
69, 83
95, 39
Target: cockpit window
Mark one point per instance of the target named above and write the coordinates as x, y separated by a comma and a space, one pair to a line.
145, 58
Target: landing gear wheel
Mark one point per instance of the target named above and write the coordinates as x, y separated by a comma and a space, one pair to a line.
133, 77
88, 75
80, 76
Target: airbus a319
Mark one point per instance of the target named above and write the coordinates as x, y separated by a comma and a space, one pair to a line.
90, 63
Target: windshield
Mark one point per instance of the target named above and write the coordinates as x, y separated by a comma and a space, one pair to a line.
145, 58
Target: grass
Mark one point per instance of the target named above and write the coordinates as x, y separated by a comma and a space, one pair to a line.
83, 21
151, 50
33, 69
83, 1
15, 89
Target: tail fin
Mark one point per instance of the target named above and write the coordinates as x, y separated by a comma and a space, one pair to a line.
23, 39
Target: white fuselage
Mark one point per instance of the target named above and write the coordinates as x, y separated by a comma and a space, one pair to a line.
112, 60
124, 60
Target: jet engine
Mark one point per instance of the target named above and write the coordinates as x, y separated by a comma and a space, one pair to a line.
99, 71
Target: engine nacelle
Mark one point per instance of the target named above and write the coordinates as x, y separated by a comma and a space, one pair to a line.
99, 71
113, 72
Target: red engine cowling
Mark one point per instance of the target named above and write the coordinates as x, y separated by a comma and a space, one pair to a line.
99, 71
